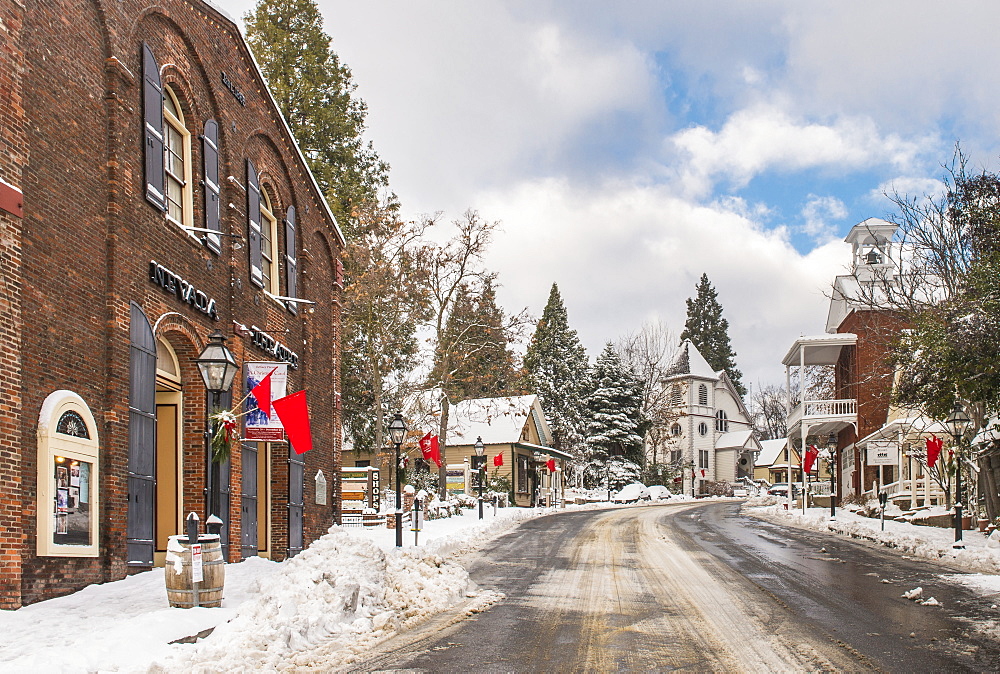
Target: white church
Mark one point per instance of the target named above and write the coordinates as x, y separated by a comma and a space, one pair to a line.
711, 435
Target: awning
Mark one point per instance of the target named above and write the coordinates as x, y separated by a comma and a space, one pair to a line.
541, 449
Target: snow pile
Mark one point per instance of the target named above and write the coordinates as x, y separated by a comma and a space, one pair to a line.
929, 542
337, 597
119, 626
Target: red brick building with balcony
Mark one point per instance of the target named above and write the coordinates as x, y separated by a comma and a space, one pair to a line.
164, 198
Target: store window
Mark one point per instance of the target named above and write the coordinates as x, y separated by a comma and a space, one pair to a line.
68, 462
268, 243
177, 160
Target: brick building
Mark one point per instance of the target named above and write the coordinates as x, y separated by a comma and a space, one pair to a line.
135, 132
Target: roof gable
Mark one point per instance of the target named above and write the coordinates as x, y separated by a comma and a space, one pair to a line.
497, 421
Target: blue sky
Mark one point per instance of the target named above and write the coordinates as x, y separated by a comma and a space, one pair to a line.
629, 147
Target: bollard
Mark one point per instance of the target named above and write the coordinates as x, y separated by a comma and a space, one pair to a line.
192, 528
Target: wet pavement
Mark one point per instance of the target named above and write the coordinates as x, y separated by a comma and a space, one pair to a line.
697, 587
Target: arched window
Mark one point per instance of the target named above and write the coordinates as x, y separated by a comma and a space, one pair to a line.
268, 242
721, 422
675, 429
68, 478
177, 160
676, 395
702, 395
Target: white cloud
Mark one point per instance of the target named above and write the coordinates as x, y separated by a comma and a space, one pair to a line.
765, 137
626, 252
816, 216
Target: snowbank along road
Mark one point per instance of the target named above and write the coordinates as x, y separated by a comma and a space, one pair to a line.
697, 587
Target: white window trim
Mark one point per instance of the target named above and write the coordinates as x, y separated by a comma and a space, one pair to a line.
269, 220
187, 191
51, 445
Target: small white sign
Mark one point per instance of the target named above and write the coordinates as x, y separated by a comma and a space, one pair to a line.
320, 488
196, 565
881, 453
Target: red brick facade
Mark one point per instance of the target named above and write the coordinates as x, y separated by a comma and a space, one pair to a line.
865, 372
81, 253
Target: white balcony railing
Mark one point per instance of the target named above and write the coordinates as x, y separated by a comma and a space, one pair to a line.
822, 409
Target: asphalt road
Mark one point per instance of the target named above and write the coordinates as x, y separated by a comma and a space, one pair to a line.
696, 587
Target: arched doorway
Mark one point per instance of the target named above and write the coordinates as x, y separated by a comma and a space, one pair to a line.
169, 448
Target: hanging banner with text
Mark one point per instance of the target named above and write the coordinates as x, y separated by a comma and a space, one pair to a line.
261, 424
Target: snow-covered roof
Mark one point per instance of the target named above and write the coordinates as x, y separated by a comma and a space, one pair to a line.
737, 439
498, 421
690, 362
910, 427
769, 451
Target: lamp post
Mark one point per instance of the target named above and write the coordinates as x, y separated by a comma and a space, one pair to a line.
480, 449
830, 454
217, 367
397, 432
958, 422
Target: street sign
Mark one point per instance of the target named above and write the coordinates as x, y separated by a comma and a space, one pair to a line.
882, 453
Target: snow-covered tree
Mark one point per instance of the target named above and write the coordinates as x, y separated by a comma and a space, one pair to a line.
613, 409
557, 367
709, 331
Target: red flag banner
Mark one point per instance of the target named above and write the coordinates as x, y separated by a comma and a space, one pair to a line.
551, 465
436, 450
425, 446
703, 472
934, 445
498, 460
810, 458
262, 394
294, 414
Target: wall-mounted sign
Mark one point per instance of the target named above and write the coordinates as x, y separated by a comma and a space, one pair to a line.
184, 290
273, 347
320, 488
881, 453
237, 94
262, 424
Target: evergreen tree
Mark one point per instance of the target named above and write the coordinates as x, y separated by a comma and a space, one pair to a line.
316, 95
556, 363
613, 422
709, 332
477, 348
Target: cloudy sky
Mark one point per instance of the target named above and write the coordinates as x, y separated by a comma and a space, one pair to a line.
629, 147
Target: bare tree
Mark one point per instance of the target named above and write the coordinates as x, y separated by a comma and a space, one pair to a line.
649, 352
768, 405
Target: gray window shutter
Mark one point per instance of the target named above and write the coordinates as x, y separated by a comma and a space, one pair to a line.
152, 114
210, 155
141, 440
291, 260
253, 226
296, 500
248, 502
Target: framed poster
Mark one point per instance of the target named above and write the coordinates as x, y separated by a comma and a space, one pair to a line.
262, 424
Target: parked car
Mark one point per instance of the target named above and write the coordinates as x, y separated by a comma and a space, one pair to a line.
781, 489
658, 492
631, 493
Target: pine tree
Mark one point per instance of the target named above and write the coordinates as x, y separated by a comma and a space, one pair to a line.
614, 423
709, 332
557, 366
476, 348
317, 97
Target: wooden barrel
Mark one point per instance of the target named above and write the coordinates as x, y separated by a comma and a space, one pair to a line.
181, 591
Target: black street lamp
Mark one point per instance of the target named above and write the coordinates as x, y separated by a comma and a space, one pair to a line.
397, 431
830, 454
480, 449
218, 368
958, 422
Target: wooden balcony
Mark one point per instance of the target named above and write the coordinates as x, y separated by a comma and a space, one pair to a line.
822, 411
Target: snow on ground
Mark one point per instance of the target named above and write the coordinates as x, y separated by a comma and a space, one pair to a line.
347, 591
920, 541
